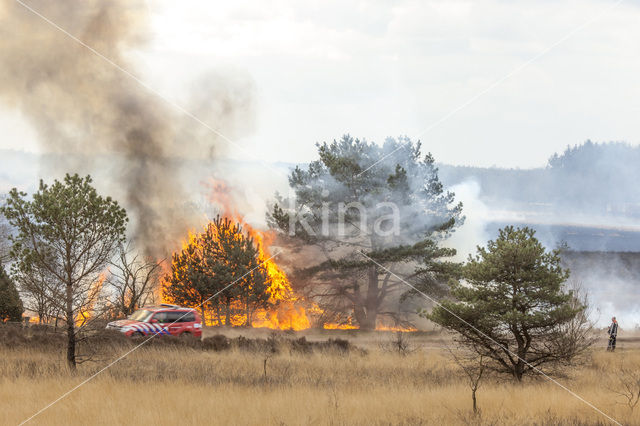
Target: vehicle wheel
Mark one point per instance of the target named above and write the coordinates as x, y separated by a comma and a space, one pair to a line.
186, 335
137, 335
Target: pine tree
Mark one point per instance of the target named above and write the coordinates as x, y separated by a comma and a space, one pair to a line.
512, 307
362, 210
70, 232
219, 270
10, 304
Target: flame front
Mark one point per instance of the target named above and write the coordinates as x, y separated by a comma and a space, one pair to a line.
86, 312
285, 311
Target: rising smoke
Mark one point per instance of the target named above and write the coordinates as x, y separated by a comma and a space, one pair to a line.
586, 198
92, 117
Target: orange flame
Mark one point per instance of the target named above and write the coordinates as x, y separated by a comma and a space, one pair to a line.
287, 311
86, 312
348, 325
336, 326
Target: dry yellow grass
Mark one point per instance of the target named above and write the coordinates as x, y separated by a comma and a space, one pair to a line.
168, 385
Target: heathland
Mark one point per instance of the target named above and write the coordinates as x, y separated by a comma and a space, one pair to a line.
285, 378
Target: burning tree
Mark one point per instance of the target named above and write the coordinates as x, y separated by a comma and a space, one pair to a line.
207, 266
359, 198
70, 233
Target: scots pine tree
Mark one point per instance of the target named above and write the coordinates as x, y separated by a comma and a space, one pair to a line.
365, 214
10, 304
69, 232
512, 307
219, 270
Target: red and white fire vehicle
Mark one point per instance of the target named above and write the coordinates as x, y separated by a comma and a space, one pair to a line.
165, 319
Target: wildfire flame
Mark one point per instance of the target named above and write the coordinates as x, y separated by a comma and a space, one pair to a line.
337, 326
86, 312
349, 325
287, 310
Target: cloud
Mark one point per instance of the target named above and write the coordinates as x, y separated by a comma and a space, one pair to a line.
383, 68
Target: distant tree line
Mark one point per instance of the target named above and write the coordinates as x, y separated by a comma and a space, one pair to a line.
590, 178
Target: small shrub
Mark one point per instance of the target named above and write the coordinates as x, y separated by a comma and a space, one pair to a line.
217, 343
301, 346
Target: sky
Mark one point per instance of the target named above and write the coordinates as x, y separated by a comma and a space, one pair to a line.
483, 83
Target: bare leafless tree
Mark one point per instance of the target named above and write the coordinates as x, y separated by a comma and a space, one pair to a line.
133, 280
572, 340
474, 367
44, 294
41, 293
626, 383
400, 343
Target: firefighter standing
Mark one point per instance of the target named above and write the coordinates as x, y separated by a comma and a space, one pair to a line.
613, 333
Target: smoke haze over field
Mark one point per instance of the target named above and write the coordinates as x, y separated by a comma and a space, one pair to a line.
85, 110
612, 282
586, 197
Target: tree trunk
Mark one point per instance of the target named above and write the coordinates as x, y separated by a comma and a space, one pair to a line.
518, 370
247, 310
369, 321
202, 314
360, 315
71, 335
371, 301
204, 321
473, 397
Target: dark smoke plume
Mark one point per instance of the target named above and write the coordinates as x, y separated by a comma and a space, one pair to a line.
92, 116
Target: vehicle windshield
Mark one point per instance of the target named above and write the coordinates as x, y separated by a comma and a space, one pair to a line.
141, 315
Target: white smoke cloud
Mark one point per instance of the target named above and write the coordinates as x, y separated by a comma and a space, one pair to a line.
473, 232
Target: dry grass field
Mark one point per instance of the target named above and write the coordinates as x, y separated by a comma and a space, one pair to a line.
171, 383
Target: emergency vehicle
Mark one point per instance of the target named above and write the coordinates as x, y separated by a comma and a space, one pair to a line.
165, 319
